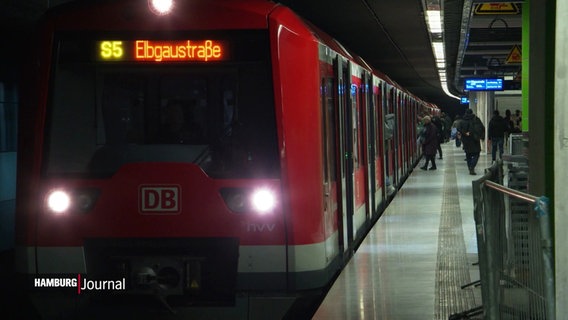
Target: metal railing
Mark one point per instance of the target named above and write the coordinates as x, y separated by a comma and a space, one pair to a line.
514, 247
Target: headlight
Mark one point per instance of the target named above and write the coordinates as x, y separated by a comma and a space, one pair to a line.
263, 200
161, 7
58, 201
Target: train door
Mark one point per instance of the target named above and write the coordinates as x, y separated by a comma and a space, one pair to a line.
344, 155
379, 144
408, 127
386, 141
405, 134
369, 143
357, 110
414, 134
329, 152
390, 151
399, 137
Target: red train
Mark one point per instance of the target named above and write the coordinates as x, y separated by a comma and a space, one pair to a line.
219, 149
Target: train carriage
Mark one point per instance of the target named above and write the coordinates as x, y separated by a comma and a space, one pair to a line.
219, 150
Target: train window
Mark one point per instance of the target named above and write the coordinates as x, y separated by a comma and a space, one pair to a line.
328, 129
219, 116
355, 121
8, 117
376, 117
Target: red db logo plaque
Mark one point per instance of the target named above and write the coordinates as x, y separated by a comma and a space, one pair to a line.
160, 199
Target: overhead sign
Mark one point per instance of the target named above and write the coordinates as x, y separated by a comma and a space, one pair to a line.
162, 51
497, 8
515, 55
484, 84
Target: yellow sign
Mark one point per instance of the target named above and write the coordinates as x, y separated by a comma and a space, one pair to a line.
497, 8
515, 55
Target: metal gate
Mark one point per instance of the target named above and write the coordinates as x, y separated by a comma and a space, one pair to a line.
514, 246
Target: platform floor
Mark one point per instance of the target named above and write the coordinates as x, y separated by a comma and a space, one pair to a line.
414, 261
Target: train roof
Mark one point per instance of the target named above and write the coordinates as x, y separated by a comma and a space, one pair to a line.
331, 42
194, 14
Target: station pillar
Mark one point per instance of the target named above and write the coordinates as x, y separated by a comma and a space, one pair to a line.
482, 103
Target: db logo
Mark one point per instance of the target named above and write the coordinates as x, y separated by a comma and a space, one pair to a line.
160, 199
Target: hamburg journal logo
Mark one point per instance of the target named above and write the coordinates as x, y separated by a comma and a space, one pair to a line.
80, 283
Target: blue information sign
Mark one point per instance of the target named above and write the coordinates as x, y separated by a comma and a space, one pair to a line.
484, 84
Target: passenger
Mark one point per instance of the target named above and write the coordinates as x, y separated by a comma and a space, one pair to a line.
455, 133
514, 122
447, 121
437, 121
508, 120
518, 122
510, 125
497, 129
430, 143
420, 131
472, 131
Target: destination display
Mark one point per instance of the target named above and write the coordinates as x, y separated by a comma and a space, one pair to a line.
484, 84
162, 51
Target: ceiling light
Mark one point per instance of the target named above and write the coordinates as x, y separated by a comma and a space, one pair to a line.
434, 20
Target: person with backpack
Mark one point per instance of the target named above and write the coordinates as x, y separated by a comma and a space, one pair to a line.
455, 134
472, 132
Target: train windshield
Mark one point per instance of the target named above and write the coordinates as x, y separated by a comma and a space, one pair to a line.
216, 114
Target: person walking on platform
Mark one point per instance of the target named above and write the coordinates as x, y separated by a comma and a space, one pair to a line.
447, 121
496, 133
430, 143
437, 121
455, 133
472, 131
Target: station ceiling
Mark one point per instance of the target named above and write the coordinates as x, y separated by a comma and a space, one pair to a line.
482, 38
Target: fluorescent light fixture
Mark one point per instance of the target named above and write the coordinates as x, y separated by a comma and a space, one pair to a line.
434, 20
438, 50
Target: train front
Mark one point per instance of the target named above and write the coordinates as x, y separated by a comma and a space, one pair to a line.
153, 165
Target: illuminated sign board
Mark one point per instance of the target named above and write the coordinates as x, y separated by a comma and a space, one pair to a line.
483, 84
464, 100
162, 51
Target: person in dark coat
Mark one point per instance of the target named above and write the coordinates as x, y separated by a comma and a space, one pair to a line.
437, 121
430, 143
496, 132
447, 120
471, 144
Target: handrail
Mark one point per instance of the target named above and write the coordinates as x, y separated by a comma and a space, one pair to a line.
517, 194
